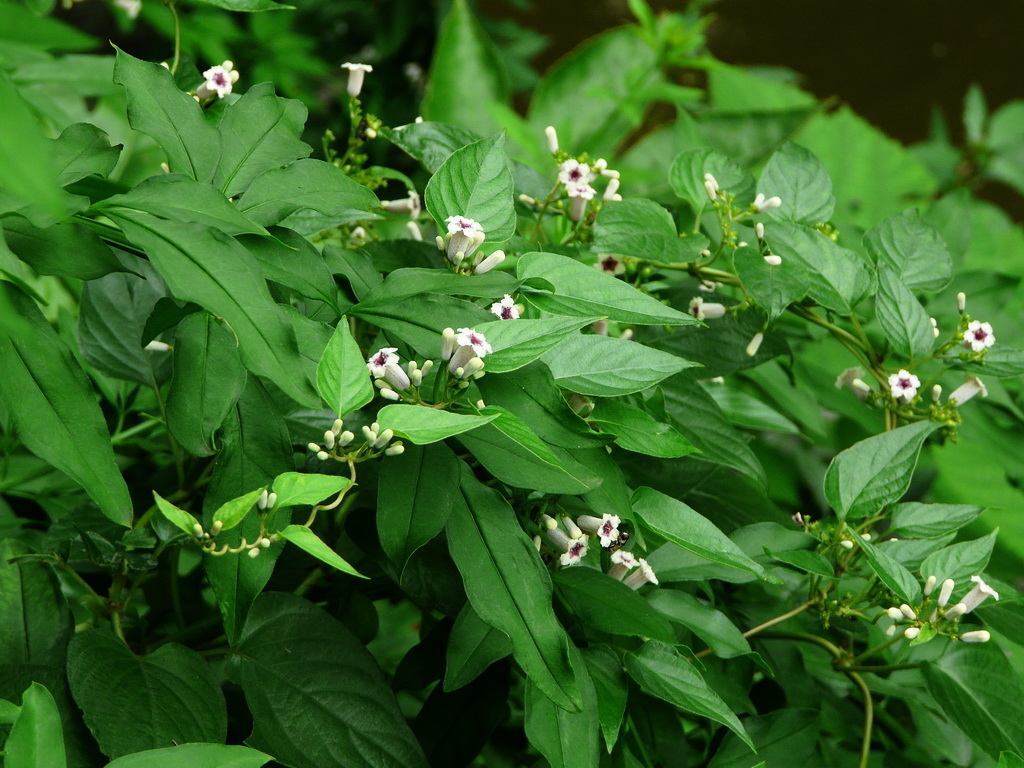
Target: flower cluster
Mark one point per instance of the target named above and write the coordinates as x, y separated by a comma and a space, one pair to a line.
460, 245
576, 176
337, 439
390, 377
942, 617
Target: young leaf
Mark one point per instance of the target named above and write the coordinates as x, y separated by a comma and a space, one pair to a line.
891, 573
640, 228
509, 587
231, 513
914, 520
902, 317
411, 281
517, 343
607, 367
913, 249
796, 176
65, 249
83, 150
636, 430
582, 291
171, 693
341, 375
960, 561
565, 739
611, 688
609, 606
475, 182
309, 542
430, 143
422, 425
316, 695
676, 522
176, 515
295, 489
473, 646
876, 471
194, 756
28, 170
35, 740
662, 672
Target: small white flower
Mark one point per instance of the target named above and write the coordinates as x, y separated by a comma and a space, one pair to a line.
976, 636
644, 574
978, 336
384, 364
979, 593
505, 309
218, 79
606, 527
800, 518
574, 174
611, 192
575, 552
409, 204
130, 7
973, 386
356, 74
904, 385
465, 235
762, 204
611, 264
470, 346
467, 337
945, 591
552, 136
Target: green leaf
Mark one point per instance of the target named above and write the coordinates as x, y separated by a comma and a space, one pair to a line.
980, 691
158, 108
511, 452
636, 430
316, 695
403, 283
473, 646
176, 515
52, 405
83, 150
194, 756
565, 739
172, 695
509, 587
609, 606
1010, 760
461, 47
36, 740
177, 197
913, 249
414, 499
582, 291
475, 181
902, 317
296, 489
662, 672
247, 6
341, 376
307, 185
639, 228
517, 343
28, 169
214, 271
960, 561
782, 737
607, 367
674, 521
291, 261
429, 143
419, 320
686, 175
796, 175
611, 688
421, 424
773, 288
65, 249
231, 513
805, 560
259, 132
914, 520
24, 25
309, 542
208, 380
710, 625
876, 471
891, 573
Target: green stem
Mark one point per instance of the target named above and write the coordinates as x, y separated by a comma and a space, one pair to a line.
177, 36
770, 623
880, 667
876, 650
869, 718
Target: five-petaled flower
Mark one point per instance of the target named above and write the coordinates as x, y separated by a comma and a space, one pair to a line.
611, 264
218, 80
384, 364
469, 345
505, 309
574, 175
464, 237
978, 337
706, 310
606, 527
575, 552
904, 385
644, 574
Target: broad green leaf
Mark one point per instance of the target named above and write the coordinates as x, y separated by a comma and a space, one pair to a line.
509, 587
796, 176
208, 380
710, 625
516, 343
213, 270
686, 175
876, 471
65, 249
676, 522
8, 712
982, 693
927, 521
510, 451
565, 739
773, 288
662, 672
582, 291
902, 317
83, 150
341, 376
307, 185
805, 560
172, 695
419, 320
194, 756
28, 168
475, 181
52, 405
158, 108
751, 412
290, 260
461, 47
740, 89
259, 132
642, 229
232, 512
611, 688
1010, 760
913, 249
23, 24
36, 740
421, 424
608, 367
891, 573
473, 646
309, 542
407, 282
414, 499
960, 561
429, 143
782, 737
607, 605
177, 197
316, 695
295, 489
637, 430
176, 515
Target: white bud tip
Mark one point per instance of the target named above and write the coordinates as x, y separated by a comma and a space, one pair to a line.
976, 636
197, 530
389, 394
157, 346
929, 585
265, 542
961, 301
322, 455
759, 230
440, 242
911, 632
337, 426
936, 393
481, 404
772, 260
254, 553
894, 613
271, 500
755, 344
552, 137
846, 544
313, 447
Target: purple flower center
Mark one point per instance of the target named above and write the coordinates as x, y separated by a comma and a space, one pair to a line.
506, 313
904, 383
607, 528
475, 340
980, 335
576, 549
380, 359
220, 78
575, 174
609, 264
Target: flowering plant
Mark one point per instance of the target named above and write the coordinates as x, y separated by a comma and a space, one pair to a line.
552, 440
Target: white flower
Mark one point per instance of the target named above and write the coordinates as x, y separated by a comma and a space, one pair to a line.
644, 574
505, 309
409, 204
622, 563
904, 385
470, 345
611, 264
979, 593
911, 633
978, 336
465, 235
384, 364
218, 79
467, 337
762, 204
573, 174
606, 527
976, 636
973, 386
706, 310
575, 552
356, 74
580, 195
130, 7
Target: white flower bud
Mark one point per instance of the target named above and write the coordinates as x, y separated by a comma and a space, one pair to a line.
976, 636
261, 502
773, 260
389, 394
709, 188
394, 450
271, 500
956, 611
961, 302
217, 526
345, 438
336, 427
936, 393
369, 434
197, 530
329, 438
759, 230
755, 344
929, 585
611, 190
846, 544
313, 447
356, 74
322, 455
157, 346
384, 438
447, 343
911, 633
552, 136
489, 263
894, 613
945, 592
254, 553
570, 526
907, 611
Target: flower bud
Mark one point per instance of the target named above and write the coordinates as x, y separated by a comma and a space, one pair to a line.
907, 611
552, 136
254, 553
271, 500
773, 260
894, 613
395, 450
945, 592
929, 585
322, 455
961, 302
329, 438
389, 394
447, 343
755, 344
489, 263
336, 427
911, 633
345, 438
197, 530
313, 447
956, 611
976, 636
759, 230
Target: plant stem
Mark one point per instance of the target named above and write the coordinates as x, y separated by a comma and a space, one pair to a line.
177, 36
869, 717
876, 650
770, 623
881, 667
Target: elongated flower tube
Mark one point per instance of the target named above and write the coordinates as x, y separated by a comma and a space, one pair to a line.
356, 74
464, 236
706, 310
606, 527
979, 593
643, 574
552, 137
973, 386
384, 363
470, 344
622, 563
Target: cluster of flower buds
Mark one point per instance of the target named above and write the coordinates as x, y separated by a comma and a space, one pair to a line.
356, 74
460, 245
206, 539
337, 439
464, 350
506, 309
390, 377
762, 204
943, 617
771, 259
217, 80
266, 501
706, 310
569, 543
